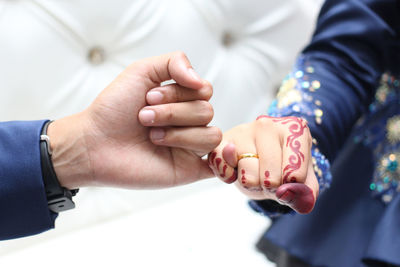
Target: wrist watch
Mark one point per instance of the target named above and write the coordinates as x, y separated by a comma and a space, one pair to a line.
58, 198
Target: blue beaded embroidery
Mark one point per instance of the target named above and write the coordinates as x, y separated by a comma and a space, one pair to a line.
380, 131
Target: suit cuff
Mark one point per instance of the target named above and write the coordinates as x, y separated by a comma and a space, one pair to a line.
23, 204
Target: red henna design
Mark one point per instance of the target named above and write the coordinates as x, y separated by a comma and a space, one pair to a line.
224, 170
218, 162
212, 157
243, 177
296, 129
232, 178
266, 182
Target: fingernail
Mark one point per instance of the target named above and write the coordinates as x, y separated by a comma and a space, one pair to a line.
195, 75
147, 116
297, 196
286, 197
157, 134
154, 97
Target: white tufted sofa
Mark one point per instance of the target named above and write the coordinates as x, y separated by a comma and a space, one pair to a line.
56, 56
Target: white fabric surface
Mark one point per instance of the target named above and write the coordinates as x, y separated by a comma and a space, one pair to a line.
203, 229
56, 56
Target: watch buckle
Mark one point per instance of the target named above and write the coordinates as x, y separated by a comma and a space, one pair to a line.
61, 203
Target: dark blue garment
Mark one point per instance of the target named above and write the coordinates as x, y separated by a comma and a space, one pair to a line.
23, 204
355, 42
348, 226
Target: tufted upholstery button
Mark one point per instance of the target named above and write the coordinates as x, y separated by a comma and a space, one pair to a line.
228, 39
96, 55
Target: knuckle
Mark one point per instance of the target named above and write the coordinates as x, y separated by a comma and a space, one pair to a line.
138, 63
176, 94
248, 178
206, 111
270, 184
179, 54
169, 137
250, 183
206, 92
243, 129
215, 136
142, 67
263, 122
304, 121
168, 113
250, 186
298, 176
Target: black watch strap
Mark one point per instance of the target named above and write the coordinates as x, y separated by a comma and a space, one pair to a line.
58, 198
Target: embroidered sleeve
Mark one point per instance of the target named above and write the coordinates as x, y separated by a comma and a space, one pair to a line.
336, 78
297, 97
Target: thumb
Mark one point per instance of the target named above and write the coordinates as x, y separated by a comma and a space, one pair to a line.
298, 196
230, 155
174, 66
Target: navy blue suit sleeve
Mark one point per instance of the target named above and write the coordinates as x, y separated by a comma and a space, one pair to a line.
354, 43
23, 204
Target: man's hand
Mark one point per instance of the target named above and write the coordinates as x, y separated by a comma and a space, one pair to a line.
283, 170
114, 142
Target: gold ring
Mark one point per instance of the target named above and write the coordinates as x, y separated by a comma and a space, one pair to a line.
247, 155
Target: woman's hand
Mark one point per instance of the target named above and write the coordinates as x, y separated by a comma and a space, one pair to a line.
283, 170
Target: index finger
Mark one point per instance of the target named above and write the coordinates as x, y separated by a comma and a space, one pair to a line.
173, 93
174, 66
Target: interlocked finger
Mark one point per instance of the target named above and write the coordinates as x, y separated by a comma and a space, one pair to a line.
220, 166
270, 160
193, 113
173, 93
248, 170
248, 166
201, 140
